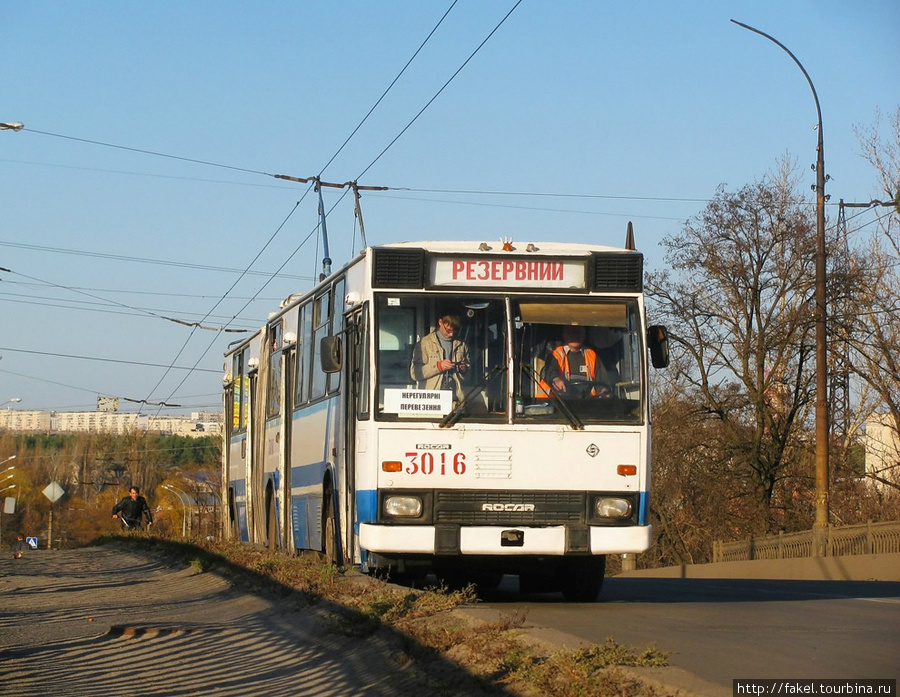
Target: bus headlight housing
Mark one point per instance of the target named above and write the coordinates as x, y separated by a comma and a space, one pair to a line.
396, 506
612, 507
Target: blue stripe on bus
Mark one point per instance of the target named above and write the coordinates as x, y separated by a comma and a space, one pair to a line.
300, 520
643, 506
239, 486
366, 507
307, 475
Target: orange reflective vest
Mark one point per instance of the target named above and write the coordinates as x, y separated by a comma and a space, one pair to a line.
562, 360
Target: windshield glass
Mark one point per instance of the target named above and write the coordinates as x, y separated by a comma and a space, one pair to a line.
452, 359
577, 362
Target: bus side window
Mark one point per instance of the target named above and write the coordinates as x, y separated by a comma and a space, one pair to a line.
337, 329
321, 326
363, 357
396, 338
237, 413
302, 359
273, 392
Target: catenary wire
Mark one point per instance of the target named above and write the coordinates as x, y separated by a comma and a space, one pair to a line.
222, 299
347, 140
438, 93
389, 87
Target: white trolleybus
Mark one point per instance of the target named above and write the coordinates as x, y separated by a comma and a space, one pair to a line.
425, 409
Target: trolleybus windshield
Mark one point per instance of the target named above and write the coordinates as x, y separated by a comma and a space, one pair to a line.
574, 361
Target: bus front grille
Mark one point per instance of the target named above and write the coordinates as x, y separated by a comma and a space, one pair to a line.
510, 508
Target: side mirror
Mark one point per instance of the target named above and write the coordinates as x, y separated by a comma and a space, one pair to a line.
330, 353
658, 342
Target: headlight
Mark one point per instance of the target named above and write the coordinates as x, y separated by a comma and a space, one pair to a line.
403, 506
609, 507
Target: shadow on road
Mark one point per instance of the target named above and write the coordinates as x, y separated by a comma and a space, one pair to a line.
687, 590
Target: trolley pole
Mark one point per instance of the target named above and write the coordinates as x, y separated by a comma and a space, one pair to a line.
820, 529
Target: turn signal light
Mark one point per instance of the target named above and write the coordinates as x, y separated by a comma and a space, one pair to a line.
626, 470
392, 466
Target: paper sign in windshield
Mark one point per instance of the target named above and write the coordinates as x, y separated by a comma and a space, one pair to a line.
418, 402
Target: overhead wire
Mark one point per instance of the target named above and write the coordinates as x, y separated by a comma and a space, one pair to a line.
127, 291
440, 91
415, 118
247, 269
142, 151
86, 306
222, 299
145, 260
212, 342
106, 360
630, 216
317, 181
147, 174
389, 87
149, 313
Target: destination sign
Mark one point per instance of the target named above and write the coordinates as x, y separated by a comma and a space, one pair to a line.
509, 272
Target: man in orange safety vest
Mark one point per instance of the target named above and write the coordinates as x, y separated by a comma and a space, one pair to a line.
571, 369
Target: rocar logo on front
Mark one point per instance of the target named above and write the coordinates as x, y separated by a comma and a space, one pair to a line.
507, 507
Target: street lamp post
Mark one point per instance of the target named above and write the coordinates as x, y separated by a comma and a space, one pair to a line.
11, 486
10, 401
822, 421
183, 501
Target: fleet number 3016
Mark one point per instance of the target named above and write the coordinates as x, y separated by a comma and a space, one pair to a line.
435, 463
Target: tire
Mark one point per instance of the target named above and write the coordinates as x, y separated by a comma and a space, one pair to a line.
234, 532
487, 580
271, 526
329, 532
582, 579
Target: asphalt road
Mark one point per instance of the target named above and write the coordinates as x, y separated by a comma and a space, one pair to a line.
722, 629
105, 621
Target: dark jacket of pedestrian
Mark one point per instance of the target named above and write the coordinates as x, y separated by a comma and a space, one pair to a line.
132, 508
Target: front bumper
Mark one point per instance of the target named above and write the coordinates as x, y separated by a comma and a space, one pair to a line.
497, 540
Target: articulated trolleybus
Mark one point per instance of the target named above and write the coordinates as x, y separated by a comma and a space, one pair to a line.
353, 430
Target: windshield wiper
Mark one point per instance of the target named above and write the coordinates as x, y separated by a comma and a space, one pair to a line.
574, 421
457, 411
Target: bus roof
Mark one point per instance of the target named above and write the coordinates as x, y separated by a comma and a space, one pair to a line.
540, 248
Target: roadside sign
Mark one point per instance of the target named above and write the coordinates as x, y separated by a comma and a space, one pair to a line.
54, 492
31, 542
9, 505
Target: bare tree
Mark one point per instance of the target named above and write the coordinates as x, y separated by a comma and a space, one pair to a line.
689, 495
876, 333
738, 302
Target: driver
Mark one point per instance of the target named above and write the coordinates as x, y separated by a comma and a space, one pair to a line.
572, 369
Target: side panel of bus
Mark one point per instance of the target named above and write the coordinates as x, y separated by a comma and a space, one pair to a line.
310, 431
315, 469
273, 374
240, 437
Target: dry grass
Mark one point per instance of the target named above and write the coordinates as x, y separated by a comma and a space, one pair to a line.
498, 655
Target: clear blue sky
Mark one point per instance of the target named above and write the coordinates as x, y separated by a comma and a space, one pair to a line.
633, 111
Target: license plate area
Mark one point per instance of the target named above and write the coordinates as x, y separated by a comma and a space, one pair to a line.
512, 538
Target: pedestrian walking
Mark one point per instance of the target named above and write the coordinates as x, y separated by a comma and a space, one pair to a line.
132, 509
